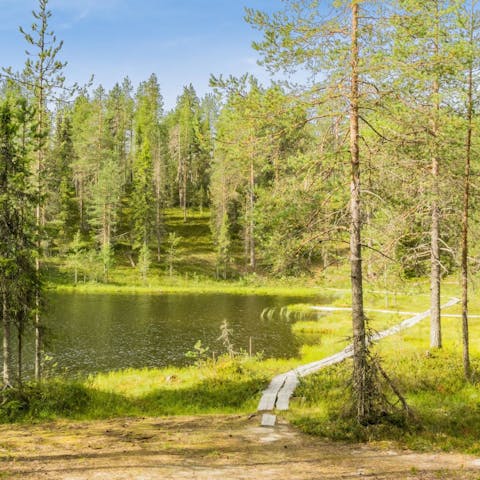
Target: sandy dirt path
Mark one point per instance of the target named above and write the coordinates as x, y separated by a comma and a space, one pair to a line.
206, 448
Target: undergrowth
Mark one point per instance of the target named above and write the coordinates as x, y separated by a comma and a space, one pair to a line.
445, 408
226, 385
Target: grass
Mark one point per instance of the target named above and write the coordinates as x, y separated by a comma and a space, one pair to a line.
126, 281
446, 407
224, 386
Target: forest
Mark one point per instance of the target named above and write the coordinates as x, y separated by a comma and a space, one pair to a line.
270, 163
360, 163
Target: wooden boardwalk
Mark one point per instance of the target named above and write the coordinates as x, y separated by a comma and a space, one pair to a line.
277, 395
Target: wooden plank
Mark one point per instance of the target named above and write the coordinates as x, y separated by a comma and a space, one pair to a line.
267, 402
268, 420
269, 396
276, 383
325, 362
283, 397
283, 401
373, 310
410, 322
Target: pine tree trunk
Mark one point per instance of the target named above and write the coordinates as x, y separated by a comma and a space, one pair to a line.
435, 327
184, 194
251, 219
81, 206
38, 339
38, 215
435, 276
182, 177
465, 218
464, 267
6, 343
358, 319
158, 218
20, 355
105, 241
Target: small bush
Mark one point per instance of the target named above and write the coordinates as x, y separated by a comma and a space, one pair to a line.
46, 400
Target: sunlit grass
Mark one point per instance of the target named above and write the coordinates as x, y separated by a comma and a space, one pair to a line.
446, 407
221, 387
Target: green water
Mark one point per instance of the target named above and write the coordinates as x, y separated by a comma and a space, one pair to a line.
101, 332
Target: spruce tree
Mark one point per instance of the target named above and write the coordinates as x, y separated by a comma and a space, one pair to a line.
44, 79
148, 171
19, 281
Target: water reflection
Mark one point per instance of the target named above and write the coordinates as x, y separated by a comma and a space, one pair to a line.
91, 333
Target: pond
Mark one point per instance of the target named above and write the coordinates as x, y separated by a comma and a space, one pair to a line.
89, 333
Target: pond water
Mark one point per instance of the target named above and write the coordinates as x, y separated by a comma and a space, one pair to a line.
89, 333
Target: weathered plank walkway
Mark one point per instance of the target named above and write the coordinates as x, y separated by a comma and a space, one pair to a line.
277, 395
396, 312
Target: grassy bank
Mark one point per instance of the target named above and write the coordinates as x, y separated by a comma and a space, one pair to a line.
126, 281
224, 386
445, 407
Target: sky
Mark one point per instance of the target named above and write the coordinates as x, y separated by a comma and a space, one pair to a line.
181, 41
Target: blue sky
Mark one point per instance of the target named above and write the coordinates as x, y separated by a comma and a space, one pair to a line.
182, 41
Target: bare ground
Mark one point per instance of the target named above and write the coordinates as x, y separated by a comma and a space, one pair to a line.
207, 448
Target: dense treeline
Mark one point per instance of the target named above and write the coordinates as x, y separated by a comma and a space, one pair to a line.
270, 162
114, 161
271, 167
117, 162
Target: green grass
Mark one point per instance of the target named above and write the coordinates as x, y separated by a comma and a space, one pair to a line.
224, 386
124, 281
446, 407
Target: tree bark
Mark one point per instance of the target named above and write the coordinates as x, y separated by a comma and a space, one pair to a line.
182, 176
358, 319
465, 214
158, 215
435, 276
38, 211
6, 343
38, 340
251, 219
20, 355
